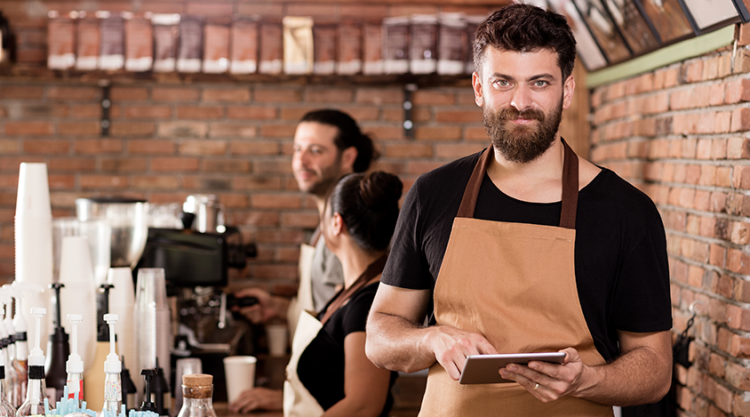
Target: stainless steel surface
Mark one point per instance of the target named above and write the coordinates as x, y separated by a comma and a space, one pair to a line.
209, 213
128, 219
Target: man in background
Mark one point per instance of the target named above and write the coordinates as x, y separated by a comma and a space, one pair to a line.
327, 145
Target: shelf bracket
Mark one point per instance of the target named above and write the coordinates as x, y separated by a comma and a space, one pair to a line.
106, 104
408, 105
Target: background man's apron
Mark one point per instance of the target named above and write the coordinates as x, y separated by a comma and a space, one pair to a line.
514, 284
304, 300
298, 402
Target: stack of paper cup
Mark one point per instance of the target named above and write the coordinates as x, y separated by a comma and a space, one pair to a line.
79, 294
33, 241
121, 302
153, 334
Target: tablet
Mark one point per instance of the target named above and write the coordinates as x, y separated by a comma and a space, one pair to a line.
483, 369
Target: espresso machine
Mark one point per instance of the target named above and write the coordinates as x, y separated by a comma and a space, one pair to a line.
196, 261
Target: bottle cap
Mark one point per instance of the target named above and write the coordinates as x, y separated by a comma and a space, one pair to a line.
112, 365
36, 357
197, 380
74, 365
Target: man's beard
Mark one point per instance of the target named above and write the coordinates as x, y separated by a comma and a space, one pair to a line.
328, 178
522, 143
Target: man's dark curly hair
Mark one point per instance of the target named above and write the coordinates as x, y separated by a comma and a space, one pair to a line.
525, 28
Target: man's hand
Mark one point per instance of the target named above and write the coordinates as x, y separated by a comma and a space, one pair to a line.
451, 347
258, 399
261, 312
555, 381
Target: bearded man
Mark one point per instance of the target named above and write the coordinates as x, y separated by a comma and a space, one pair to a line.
525, 247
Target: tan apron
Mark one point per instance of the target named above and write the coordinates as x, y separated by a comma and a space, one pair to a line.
304, 299
298, 402
514, 284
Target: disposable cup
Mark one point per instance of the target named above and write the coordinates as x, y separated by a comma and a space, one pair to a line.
277, 339
240, 374
33, 191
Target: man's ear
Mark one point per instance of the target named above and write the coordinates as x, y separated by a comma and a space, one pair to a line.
568, 89
476, 84
348, 156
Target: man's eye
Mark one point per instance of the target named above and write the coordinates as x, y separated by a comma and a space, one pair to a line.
540, 83
502, 83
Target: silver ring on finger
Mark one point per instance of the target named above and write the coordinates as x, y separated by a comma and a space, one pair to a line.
536, 387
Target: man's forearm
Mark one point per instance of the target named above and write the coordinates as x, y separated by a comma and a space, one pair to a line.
397, 344
641, 376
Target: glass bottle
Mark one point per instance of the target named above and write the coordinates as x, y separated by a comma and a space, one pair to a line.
6, 409
197, 393
35, 394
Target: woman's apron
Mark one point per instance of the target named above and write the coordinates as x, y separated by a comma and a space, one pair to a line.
514, 284
298, 402
304, 300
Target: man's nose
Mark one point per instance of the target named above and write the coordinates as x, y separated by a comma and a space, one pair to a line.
521, 99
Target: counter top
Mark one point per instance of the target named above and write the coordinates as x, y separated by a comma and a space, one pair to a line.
222, 411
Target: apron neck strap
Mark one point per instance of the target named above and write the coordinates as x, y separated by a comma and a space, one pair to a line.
315, 236
373, 270
569, 186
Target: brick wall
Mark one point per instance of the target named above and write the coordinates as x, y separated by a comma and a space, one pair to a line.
234, 140
681, 134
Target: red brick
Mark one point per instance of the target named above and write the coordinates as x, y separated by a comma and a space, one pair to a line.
151, 146
329, 95
434, 98
132, 129
200, 112
383, 132
156, 182
278, 166
44, 146
278, 131
379, 96
85, 111
693, 71
261, 9
148, 112
368, 11
295, 113
97, 146
29, 128
277, 95
252, 112
174, 94
409, 151
315, 10
202, 147
128, 93
183, 128
240, 130
256, 182
275, 201
226, 94
103, 181
73, 93
71, 164
459, 116
79, 128
363, 113
254, 148
205, 182
419, 114
224, 165
438, 133
124, 165
21, 92
741, 119
174, 164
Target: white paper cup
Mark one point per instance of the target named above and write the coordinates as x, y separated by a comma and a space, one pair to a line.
33, 191
240, 374
277, 339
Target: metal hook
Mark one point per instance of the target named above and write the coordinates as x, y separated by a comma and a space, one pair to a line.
692, 307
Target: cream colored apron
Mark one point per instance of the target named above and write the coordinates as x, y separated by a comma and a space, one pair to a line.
515, 284
304, 299
298, 402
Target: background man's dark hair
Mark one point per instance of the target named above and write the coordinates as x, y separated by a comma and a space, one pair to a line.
525, 28
349, 135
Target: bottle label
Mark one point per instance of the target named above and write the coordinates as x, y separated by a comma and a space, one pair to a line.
80, 390
112, 391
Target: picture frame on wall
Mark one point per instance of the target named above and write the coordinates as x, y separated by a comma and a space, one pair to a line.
604, 30
633, 25
707, 15
589, 52
668, 18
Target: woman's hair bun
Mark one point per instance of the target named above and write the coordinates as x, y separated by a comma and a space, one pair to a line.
380, 189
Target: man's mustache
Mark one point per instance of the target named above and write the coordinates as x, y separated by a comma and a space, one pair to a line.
513, 114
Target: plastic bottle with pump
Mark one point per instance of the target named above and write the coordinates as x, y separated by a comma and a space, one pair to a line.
58, 350
160, 387
112, 369
11, 394
74, 365
19, 357
35, 394
94, 380
128, 388
6, 409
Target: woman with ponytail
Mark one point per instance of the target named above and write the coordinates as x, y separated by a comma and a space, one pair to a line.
329, 373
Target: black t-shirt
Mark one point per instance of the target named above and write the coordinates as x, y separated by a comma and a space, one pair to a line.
621, 263
321, 366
